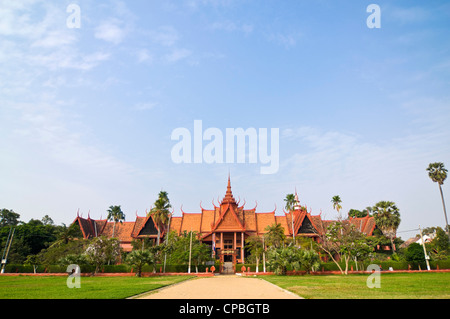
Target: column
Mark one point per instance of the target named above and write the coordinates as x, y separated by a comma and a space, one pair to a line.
242, 247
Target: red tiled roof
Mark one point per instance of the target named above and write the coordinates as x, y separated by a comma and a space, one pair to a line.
122, 231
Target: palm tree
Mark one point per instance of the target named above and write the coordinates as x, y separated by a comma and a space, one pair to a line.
290, 204
387, 218
115, 214
438, 173
336, 200
275, 235
138, 258
160, 212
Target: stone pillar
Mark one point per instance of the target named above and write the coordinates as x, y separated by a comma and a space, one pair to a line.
242, 247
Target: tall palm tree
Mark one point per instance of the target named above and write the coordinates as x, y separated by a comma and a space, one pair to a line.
160, 212
387, 218
438, 173
336, 200
290, 204
115, 214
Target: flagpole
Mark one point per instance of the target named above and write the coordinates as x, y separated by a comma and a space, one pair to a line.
190, 254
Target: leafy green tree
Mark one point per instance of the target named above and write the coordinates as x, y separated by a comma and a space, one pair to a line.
310, 260
115, 214
280, 258
29, 239
8, 218
32, 260
102, 251
139, 258
59, 250
177, 249
275, 236
73, 259
255, 245
387, 219
46, 220
438, 174
414, 253
342, 241
200, 253
440, 246
357, 213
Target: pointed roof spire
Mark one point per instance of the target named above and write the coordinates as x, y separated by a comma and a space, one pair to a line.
229, 199
297, 201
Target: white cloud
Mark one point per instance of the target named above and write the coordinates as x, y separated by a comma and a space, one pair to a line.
177, 55
143, 55
145, 106
110, 31
56, 39
407, 15
68, 59
285, 39
230, 26
164, 35
215, 3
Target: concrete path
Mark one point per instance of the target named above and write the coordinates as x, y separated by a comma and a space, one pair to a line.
222, 287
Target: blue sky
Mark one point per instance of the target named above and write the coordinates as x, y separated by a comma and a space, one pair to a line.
86, 114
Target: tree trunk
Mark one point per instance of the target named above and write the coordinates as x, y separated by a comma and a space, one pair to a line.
334, 260
257, 265
445, 212
392, 243
346, 259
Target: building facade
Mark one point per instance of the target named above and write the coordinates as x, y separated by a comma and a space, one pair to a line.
225, 227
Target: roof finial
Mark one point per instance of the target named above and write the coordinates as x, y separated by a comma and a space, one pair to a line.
229, 195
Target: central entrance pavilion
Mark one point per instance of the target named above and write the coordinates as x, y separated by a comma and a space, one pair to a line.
224, 228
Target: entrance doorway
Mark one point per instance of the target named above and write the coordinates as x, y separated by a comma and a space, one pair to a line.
227, 268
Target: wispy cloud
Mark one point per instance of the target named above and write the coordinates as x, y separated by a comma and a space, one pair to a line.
230, 26
111, 31
145, 106
177, 55
287, 40
164, 35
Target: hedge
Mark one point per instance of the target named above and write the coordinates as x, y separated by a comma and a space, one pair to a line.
124, 268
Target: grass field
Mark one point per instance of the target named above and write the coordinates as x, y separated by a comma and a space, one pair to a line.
28, 287
392, 286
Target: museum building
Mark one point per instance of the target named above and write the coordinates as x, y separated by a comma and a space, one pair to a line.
225, 227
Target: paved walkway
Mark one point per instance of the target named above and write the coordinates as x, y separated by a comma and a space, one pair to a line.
222, 287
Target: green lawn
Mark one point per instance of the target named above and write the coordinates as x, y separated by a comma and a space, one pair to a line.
392, 286
28, 287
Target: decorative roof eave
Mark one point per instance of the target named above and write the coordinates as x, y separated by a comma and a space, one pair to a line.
77, 219
225, 209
